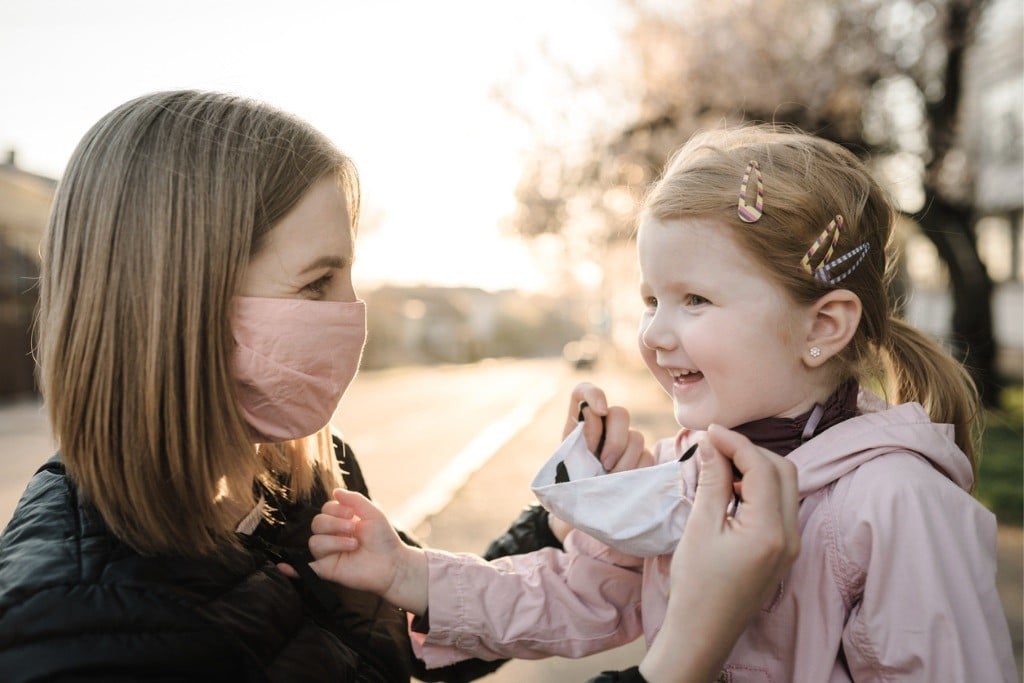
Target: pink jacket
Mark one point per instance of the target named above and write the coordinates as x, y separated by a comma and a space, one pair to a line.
895, 578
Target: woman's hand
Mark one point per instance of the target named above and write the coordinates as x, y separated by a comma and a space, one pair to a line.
725, 568
354, 544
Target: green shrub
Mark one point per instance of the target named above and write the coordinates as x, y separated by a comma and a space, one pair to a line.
1001, 475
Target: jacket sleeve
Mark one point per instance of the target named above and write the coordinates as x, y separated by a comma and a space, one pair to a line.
924, 551
571, 603
528, 532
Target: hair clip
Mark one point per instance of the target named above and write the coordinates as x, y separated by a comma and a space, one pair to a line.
831, 231
859, 252
747, 213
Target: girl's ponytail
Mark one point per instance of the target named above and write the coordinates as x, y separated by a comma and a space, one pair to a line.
921, 371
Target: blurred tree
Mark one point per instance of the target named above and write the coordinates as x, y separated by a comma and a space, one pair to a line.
881, 77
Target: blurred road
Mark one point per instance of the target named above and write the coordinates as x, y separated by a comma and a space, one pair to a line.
449, 452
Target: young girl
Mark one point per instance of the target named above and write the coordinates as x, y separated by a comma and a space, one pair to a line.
762, 257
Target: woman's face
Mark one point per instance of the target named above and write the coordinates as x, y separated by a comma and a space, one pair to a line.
308, 254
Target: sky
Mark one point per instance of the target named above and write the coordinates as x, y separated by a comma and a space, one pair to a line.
403, 87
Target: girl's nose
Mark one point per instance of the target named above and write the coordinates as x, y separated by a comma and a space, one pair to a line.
656, 334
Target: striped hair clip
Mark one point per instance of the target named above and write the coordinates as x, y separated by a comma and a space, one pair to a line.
836, 270
746, 212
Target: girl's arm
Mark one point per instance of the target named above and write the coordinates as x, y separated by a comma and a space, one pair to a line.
527, 606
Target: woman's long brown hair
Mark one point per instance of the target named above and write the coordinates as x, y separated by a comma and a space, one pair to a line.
156, 216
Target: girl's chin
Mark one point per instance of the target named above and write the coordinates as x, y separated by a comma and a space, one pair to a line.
692, 422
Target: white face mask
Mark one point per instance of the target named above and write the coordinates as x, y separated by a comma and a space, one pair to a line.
639, 512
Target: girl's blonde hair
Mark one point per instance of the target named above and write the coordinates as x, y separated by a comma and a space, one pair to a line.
160, 208
808, 181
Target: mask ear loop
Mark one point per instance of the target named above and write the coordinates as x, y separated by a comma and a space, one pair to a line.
747, 213
831, 231
561, 472
600, 442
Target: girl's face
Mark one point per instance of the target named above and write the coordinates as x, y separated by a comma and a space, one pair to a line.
720, 337
308, 254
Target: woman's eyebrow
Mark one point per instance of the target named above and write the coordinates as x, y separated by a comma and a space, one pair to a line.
327, 262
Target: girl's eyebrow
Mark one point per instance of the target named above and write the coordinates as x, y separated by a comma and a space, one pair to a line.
327, 262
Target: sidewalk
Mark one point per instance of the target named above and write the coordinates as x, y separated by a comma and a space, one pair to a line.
494, 495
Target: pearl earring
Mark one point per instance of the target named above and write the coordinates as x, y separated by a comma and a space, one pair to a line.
815, 352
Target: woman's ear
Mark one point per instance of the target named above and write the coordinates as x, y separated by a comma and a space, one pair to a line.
835, 317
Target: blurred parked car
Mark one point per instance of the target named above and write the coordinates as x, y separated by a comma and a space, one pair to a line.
582, 353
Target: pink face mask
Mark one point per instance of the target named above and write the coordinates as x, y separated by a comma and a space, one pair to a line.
294, 360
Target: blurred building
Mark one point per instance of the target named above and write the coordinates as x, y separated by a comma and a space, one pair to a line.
24, 207
423, 325
993, 129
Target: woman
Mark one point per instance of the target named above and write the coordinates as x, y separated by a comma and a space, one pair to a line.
197, 327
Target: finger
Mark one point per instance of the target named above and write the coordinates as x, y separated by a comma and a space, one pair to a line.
592, 395
608, 436
714, 490
790, 507
324, 545
594, 431
336, 509
646, 459
763, 493
360, 504
585, 392
287, 570
759, 467
632, 458
329, 524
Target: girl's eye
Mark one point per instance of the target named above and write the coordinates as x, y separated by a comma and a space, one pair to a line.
695, 300
317, 287
650, 302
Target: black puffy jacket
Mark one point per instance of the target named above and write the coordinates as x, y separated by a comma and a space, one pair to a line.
76, 604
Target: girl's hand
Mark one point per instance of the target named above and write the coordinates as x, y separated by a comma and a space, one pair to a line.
608, 436
354, 544
606, 430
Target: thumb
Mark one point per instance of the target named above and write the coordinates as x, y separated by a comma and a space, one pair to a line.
714, 486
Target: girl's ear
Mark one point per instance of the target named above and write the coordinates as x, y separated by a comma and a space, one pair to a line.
835, 317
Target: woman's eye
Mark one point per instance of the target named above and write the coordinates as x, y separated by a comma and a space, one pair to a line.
317, 287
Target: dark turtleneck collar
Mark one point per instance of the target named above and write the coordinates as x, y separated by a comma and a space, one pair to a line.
784, 434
